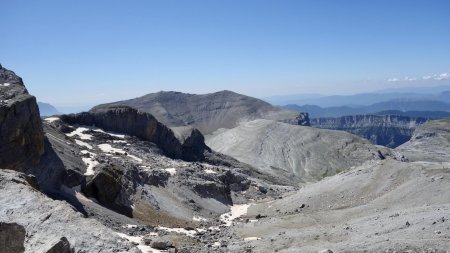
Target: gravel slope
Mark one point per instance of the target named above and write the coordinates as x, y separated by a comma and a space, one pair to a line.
306, 153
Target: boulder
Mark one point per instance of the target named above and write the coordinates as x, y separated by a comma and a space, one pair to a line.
12, 237
63, 246
106, 186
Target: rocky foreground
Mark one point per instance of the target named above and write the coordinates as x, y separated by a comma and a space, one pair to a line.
116, 179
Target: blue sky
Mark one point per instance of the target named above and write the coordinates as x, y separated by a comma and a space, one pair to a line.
87, 52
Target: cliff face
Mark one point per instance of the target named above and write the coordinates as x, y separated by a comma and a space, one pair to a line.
386, 130
130, 121
430, 142
21, 135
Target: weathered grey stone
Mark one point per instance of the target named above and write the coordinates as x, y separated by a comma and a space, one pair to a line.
21, 135
63, 246
12, 237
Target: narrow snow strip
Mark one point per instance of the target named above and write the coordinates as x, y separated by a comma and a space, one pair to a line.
79, 132
5, 84
51, 119
210, 171
119, 141
90, 162
121, 136
236, 212
137, 159
172, 171
83, 144
198, 218
252, 238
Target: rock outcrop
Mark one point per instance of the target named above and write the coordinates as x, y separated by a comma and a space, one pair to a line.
206, 112
124, 119
430, 142
387, 130
47, 221
21, 135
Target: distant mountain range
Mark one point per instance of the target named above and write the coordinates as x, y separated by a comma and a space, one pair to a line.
406, 107
439, 93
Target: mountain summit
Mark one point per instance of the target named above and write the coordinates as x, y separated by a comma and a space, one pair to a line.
206, 112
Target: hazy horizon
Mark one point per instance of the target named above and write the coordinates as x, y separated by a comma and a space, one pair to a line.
84, 53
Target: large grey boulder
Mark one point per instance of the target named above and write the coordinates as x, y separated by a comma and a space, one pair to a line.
63, 246
12, 237
21, 135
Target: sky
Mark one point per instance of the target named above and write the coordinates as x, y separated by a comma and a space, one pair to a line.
75, 53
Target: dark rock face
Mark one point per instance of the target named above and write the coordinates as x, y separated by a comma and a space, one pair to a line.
130, 121
12, 237
386, 130
63, 246
302, 120
21, 135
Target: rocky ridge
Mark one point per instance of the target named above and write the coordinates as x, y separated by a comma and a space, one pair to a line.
124, 119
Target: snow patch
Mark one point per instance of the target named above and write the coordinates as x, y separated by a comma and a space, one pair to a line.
90, 162
140, 244
80, 133
83, 144
51, 119
137, 159
198, 218
5, 84
235, 212
172, 171
210, 171
121, 136
252, 238
107, 148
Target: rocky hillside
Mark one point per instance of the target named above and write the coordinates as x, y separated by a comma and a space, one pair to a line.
387, 130
207, 112
124, 119
379, 206
305, 153
21, 135
111, 180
